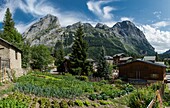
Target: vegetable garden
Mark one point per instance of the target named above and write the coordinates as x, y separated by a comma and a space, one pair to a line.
44, 90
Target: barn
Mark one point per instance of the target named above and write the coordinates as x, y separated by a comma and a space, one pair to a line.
142, 70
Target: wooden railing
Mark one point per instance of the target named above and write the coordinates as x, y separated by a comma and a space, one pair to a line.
158, 97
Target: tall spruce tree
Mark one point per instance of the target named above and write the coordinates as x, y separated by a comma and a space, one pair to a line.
10, 33
103, 66
78, 58
59, 56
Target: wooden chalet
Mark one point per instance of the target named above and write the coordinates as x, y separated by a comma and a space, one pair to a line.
142, 70
121, 58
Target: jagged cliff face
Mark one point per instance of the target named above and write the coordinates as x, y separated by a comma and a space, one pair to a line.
122, 37
132, 37
46, 31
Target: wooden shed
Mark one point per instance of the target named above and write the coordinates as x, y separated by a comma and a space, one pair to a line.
142, 70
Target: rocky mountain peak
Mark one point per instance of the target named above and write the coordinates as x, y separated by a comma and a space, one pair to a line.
127, 28
101, 26
37, 33
76, 25
124, 24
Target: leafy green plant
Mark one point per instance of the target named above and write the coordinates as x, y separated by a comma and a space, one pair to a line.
93, 96
141, 98
71, 103
55, 104
87, 103
63, 104
95, 104
79, 103
82, 78
102, 102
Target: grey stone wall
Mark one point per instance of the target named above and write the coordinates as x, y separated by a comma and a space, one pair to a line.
15, 59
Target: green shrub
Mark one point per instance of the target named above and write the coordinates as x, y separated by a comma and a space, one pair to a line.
63, 104
79, 103
87, 103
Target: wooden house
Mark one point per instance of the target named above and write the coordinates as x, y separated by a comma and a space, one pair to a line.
116, 58
150, 58
142, 70
121, 58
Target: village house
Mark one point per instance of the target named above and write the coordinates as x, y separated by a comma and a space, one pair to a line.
109, 59
150, 58
121, 58
140, 70
10, 56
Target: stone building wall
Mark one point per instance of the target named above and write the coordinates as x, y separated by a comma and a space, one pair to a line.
15, 59
4, 51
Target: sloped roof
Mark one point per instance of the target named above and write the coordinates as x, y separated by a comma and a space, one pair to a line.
120, 54
108, 57
125, 58
160, 63
149, 58
147, 62
10, 44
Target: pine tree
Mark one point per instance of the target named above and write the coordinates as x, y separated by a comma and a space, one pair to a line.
78, 58
59, 56
26, 55
103, 66
10, 33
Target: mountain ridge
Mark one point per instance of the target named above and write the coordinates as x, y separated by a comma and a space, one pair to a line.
122, 37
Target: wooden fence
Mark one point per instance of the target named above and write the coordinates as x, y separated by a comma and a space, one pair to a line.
158, 97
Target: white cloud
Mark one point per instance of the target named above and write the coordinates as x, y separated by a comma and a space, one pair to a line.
8, 4
21, 27
159, 39
104, 13
126, 19
157, 14
39, 9
161, 24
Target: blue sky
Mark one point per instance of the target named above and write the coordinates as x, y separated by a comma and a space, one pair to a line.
151, 16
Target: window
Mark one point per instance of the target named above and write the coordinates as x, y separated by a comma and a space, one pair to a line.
16, 55
154, 76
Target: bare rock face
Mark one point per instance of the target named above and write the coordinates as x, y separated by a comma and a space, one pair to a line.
132, 37
46, 31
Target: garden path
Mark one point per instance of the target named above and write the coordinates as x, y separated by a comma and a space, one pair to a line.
4, 87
